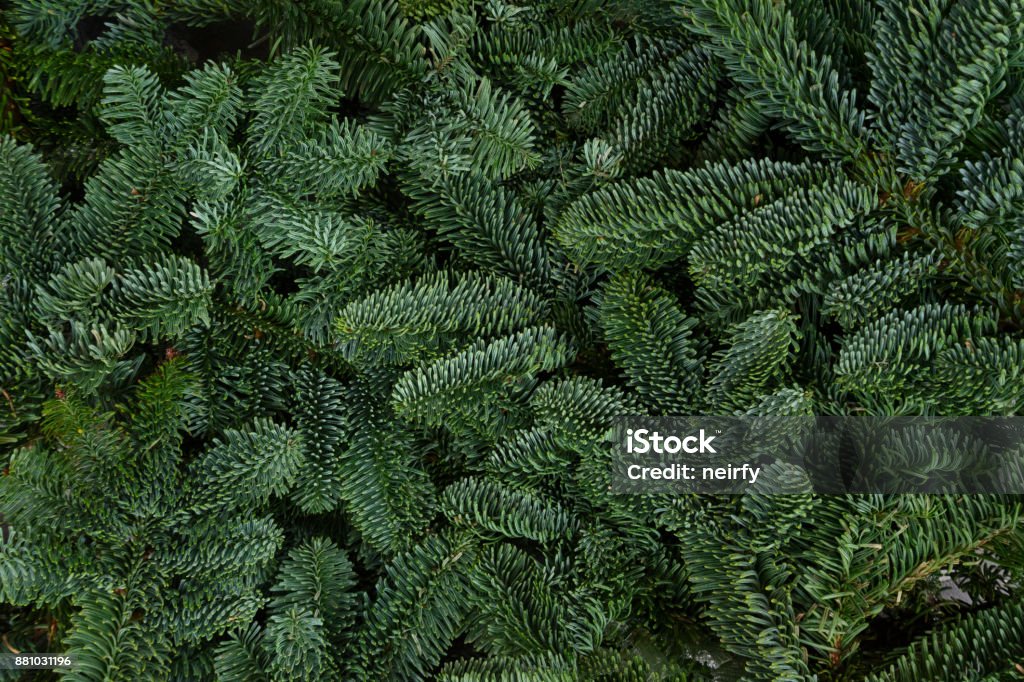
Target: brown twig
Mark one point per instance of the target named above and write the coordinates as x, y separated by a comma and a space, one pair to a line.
7, 644
10, 403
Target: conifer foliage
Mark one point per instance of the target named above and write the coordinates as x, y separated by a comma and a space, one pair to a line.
310, 340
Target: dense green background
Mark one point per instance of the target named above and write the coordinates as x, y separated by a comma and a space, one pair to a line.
313, 317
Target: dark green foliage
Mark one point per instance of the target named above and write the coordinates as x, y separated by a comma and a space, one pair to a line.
757, 352
968, 644
650, 338
767, 54
314, 318
427, 590
415, 322
320, 416
511, 513
936, 68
